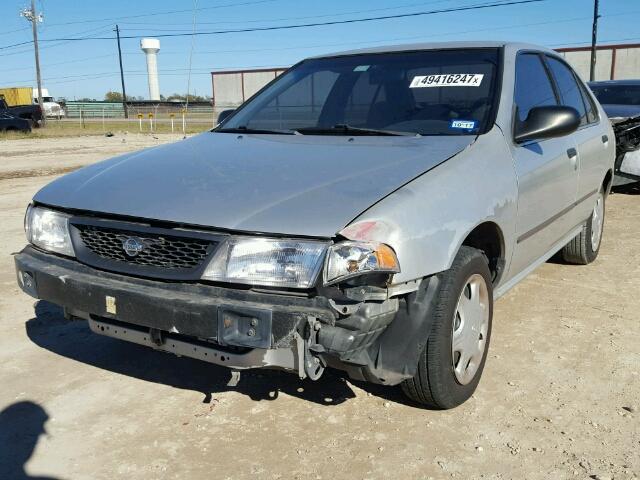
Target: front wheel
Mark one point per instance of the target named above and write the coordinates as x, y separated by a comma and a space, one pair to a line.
451, 364
584, 247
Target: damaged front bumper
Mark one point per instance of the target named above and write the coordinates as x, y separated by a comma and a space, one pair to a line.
232, 327
627, 164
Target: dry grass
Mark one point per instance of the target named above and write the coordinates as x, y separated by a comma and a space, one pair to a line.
71, 128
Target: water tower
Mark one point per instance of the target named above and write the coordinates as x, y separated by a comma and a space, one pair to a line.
151, 47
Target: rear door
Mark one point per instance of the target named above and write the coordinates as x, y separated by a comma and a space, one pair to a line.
547, 170
592, 138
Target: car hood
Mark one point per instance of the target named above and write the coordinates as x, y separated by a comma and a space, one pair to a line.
297, 185
621, 112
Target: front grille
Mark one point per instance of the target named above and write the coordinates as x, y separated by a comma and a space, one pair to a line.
159, 250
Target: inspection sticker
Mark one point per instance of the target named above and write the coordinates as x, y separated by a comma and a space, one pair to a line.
447, 80
463, 124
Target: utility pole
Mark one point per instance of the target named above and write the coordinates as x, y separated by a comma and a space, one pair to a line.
31, 16
124, 92
594, 38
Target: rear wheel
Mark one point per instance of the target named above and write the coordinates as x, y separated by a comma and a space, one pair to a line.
450, 366
584, 247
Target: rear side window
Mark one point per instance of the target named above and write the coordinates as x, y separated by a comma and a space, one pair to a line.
533, 87
570, 93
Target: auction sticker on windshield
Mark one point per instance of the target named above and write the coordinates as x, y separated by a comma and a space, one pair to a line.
448, 80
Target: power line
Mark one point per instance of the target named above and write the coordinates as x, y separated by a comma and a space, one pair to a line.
14, 31
359, 42
414, 37
66, 62
175, 72
600, 42
171, 12
207, 71
263, 20
96, 30
319, 24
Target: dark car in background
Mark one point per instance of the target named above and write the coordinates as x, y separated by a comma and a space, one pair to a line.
9, 122
621, 101
30, 113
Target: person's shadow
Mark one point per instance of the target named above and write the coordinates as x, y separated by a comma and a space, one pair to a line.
21, 425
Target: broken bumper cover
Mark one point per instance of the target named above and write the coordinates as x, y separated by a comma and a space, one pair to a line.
232, 327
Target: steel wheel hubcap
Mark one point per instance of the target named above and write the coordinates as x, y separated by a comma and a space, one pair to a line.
597, 222
470, 325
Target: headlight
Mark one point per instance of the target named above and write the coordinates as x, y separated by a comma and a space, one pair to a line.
267, 261
48, 230
350, 259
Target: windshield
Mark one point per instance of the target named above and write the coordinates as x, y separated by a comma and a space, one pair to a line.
617, 94
437, 92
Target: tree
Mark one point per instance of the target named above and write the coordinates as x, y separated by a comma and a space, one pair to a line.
112, 96
177, 97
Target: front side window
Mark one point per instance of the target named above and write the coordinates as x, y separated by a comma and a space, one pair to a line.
569, 90
433, 92
533, 86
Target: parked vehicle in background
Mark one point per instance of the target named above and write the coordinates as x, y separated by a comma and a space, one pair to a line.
28, 96
361, 212
10, 123
17, 95
621, 100
49, 105
31, 113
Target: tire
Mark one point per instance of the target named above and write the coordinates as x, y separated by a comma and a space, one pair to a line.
437, 383
584, 247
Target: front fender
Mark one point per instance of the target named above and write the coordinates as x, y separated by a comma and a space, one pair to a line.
427, 220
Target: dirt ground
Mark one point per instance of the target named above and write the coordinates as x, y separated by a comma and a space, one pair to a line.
559, 399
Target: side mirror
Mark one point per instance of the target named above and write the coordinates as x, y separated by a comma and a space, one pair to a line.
224, 115
547, 122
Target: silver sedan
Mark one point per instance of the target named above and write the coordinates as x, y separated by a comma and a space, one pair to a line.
361, 212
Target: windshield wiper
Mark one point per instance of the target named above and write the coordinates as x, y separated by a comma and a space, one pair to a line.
245, 129
342, 129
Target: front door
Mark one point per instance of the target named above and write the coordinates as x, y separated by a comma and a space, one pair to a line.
547, 171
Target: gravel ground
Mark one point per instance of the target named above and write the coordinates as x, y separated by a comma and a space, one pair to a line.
560, 395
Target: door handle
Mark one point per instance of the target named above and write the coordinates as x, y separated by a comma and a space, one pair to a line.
605, 139
572, 153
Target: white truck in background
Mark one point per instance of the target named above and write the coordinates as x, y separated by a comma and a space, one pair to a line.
50, 108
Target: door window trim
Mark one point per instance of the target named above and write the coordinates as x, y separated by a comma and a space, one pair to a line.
581, 89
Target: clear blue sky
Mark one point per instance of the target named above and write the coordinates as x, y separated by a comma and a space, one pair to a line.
90, 68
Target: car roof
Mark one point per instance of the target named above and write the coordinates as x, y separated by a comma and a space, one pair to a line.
409, 47
604, 83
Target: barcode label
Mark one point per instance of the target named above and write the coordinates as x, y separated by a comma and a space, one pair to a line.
448, 80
